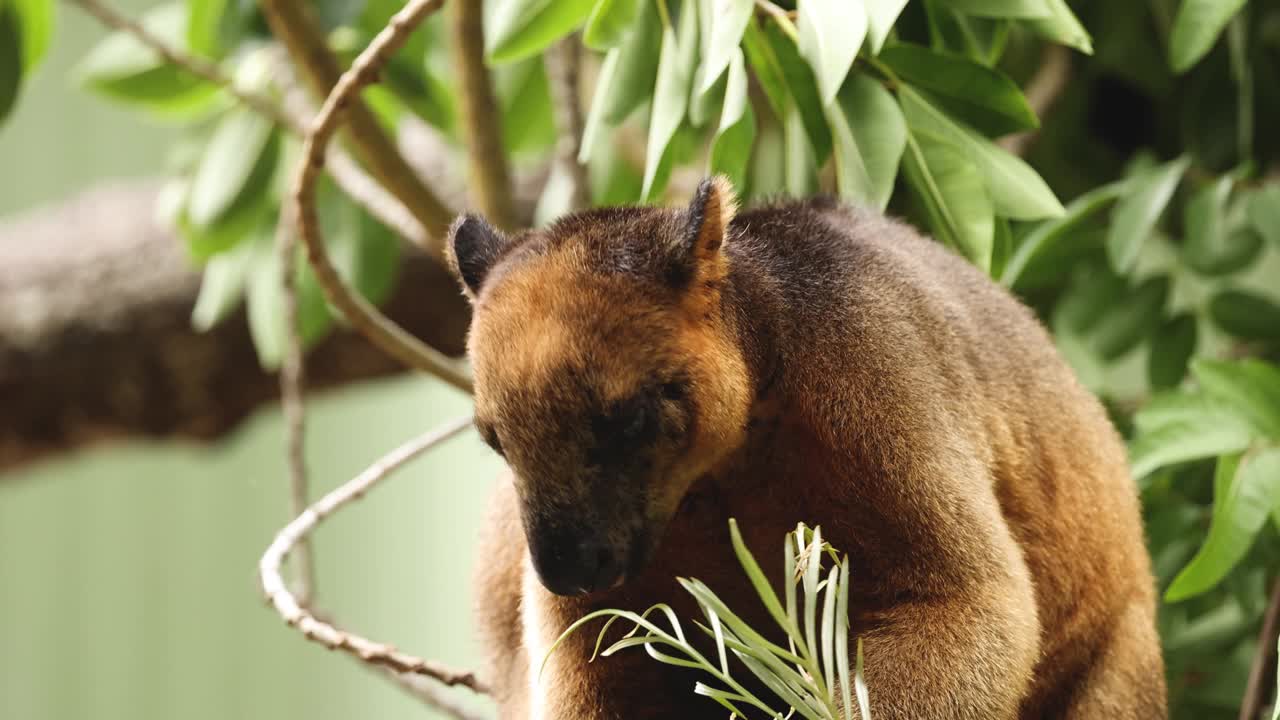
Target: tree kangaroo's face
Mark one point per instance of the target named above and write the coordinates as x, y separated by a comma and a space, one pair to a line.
605, 375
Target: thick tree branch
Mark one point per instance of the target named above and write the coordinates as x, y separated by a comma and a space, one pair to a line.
292, 22
563, 63
481, 122
359, 312
286, 604
96, 339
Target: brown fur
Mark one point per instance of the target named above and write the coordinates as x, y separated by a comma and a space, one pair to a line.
836, 369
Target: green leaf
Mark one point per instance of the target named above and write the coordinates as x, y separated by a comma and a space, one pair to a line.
1124, 326
729, 20
868, 135
1169, 408
758, 580
1092, 292
1264, 213
420, 90
266, 300
1246, 315
768, 70
799, 83
1184, 439
10, 60
1171, 350
881, 15
625, 80
670, 98
1196, 29
831, 33
528, 122
204, 26
952, 193
235, 150
124, 69
517, 29
1043, 239
1136, 214
36, 20
731, 148
1204, 220
1001, 8
222, 286
978, 91
1250, 387
1017, 191
1062, 26
1237, 518
609, 23
800, 169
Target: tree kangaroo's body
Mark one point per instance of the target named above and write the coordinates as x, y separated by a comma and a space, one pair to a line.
922, 417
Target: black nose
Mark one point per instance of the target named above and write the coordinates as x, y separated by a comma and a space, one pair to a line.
573, 563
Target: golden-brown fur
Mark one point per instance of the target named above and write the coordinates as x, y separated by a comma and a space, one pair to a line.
834, 368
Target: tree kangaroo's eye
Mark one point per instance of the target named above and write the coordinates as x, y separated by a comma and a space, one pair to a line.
636, 420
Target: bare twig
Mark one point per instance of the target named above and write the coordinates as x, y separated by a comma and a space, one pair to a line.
563, 63
285, 603
1043, 91
292, 378
1258, 688
481, 122
291, 21
362, 315
346, 173
430, 693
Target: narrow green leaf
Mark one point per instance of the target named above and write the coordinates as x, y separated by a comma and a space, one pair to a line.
1124, 326
731, 148
528, 116
757, 577
1171, 351
1246, 315
1250, 387
124, 69
266, 299
831, 33
768, 69
236, 148
1001, 8
36, 19
1196, 29
842, 641
10, 60
951, 189
981, 91
204, 26
1237, 518
860, 684
1092, 292
802, 87
1017, 191
1264, 213
1179, 407
517, 29
1001, 246
606, 80
729, 20
1185, 439
1204, 221
1136, 213
222, 286
881, 15
829, 629
868, 136
812, 570
1062, 26
670, 98
609, 23
800, 172
1041, 241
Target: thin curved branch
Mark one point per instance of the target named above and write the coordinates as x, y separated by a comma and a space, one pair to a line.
1043, 92
359, 312
345, 172
291, 21
563, 63
1256, 691
481, 125
285, 603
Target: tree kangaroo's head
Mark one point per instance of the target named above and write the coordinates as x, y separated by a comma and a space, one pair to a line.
606, 374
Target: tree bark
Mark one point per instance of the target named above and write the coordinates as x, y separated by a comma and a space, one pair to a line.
96, 340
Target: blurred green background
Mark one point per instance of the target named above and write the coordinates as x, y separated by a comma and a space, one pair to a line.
128, 573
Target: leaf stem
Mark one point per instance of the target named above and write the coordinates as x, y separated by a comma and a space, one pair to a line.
781, 17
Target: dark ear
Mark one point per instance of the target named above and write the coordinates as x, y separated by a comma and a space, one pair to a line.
706, 224
472, 248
